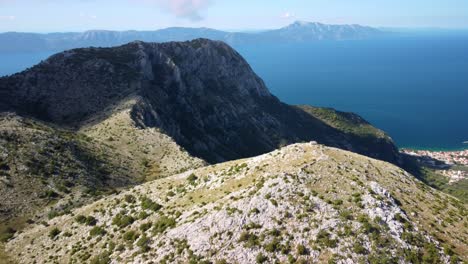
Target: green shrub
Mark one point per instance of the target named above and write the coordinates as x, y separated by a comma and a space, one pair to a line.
324, 239
102, 258
261, 258
337, 202
346, 215
249, 239
142, 215
454, 259
122, 221
252, 225
448, 250
382, 257
50, 194
301, 250
273, 246
80, 219
368, 228
192, 178
274, 202
97, 231
52, 214
145, 226
412, 256
431, 254
120, 248
147, 203
131, 235
129, 198
274, 232
162, 224
254, 211
90, 220
358, 248
54, 232
413, 239
7, 234
143, 243
400, 218
244, 236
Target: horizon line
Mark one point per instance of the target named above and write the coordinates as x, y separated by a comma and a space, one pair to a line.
252, 30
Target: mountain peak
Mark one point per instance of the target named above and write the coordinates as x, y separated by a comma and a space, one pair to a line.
202, 93
306, 24
301, 23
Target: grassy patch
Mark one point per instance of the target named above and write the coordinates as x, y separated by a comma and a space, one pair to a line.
441, 182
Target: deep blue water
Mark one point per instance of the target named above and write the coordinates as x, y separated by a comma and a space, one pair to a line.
414, 88
14, 62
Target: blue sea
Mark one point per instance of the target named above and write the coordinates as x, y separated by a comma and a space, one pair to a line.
414, 87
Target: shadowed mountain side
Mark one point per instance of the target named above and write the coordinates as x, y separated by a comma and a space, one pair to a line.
201, 93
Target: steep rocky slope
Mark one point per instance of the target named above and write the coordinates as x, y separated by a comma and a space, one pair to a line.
153, 153
46, 171
305, 202
201, 93
40, 164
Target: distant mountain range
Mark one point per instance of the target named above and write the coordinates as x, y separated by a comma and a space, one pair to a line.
297, 32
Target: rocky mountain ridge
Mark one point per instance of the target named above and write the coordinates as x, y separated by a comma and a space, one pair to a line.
201, 93
304, 203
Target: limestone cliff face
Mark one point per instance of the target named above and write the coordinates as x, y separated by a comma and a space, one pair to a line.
202, 93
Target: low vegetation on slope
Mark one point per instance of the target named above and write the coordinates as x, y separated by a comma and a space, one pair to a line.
302, 203
46, 172
40, 164
151, 153
358, 132
347, 122
435, 179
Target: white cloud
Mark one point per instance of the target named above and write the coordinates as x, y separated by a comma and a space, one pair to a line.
183, 8
287, 15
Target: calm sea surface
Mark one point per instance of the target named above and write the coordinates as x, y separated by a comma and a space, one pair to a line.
414, 88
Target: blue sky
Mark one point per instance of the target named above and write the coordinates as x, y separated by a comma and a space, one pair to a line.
79, 15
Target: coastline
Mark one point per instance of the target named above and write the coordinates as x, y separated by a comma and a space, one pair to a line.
434, 149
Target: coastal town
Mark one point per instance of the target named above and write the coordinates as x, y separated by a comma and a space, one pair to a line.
452, 164
448, 157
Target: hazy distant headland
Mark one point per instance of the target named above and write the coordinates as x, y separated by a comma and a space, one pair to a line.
296, 32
